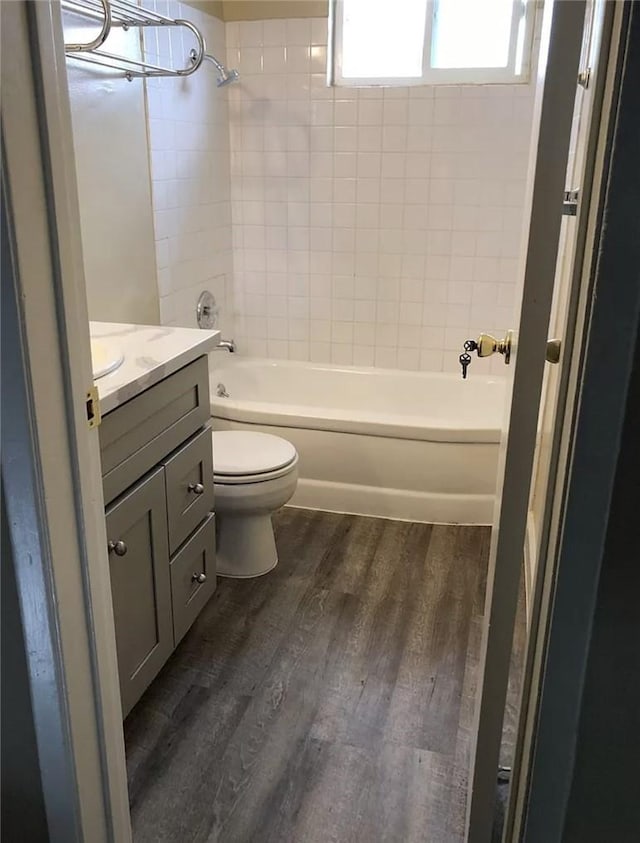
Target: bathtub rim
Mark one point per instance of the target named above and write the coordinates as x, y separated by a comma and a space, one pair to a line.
361, 422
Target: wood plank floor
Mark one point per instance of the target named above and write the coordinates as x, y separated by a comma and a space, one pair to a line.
330, 700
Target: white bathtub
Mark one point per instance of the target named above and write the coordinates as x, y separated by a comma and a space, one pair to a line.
408, 445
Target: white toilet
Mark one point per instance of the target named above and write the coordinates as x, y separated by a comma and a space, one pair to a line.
253, 474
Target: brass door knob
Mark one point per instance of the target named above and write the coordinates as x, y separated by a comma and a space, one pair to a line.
119, 548
196, 488
486, 345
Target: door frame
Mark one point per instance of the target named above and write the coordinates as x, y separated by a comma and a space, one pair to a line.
51, 475
601, 372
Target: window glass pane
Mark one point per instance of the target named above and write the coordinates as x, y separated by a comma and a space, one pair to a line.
472, 33
383, 39
522, 31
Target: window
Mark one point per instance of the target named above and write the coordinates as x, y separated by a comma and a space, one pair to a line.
417, 42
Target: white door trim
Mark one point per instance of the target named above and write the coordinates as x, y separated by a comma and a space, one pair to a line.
47, 260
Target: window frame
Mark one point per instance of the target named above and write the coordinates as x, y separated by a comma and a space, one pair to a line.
436, 75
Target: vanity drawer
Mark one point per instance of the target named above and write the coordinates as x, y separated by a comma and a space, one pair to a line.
196, 559
188, 477
139, 434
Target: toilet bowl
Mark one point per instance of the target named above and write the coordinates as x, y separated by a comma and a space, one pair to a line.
253, 475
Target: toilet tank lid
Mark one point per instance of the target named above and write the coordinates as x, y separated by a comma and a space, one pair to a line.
246, 452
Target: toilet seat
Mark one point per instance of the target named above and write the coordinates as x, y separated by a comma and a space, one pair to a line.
241, 457
244, 479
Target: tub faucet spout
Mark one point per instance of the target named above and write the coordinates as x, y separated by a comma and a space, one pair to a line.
227, 345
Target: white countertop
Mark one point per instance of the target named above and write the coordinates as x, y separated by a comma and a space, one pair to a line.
151, 353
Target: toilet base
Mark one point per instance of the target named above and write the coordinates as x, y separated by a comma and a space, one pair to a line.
245, 546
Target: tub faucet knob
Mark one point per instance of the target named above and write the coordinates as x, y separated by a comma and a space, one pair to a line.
464, 359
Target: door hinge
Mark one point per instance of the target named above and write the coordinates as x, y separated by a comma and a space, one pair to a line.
570, 203
584, 77
92, 404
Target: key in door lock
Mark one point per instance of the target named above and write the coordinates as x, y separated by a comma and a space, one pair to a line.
465, 359
485, 346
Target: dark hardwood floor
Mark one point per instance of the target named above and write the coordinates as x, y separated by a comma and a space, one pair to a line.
331, 700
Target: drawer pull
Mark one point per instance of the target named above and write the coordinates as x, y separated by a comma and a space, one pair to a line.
119, 548
199, 578
196, 488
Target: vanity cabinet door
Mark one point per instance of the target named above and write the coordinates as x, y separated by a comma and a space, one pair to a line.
193, 577
140, 585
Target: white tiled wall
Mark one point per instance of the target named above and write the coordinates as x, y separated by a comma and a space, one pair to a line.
189, 146
371, 226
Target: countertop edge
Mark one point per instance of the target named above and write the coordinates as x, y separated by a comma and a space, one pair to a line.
121, 394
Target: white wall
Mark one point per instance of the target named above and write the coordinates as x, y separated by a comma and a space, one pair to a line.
114, 190
189, 149
371, 226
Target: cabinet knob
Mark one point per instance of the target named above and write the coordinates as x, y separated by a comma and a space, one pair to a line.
196, 488
199, 577
119, 548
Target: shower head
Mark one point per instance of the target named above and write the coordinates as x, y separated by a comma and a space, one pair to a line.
225, 76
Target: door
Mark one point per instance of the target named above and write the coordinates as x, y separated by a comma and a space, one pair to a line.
564, 304
50, 458
140, 585
566, 30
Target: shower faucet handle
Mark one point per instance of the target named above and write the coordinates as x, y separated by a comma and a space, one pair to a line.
465, 359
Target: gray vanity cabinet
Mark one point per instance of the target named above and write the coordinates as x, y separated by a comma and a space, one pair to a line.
157, 475
140, 585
